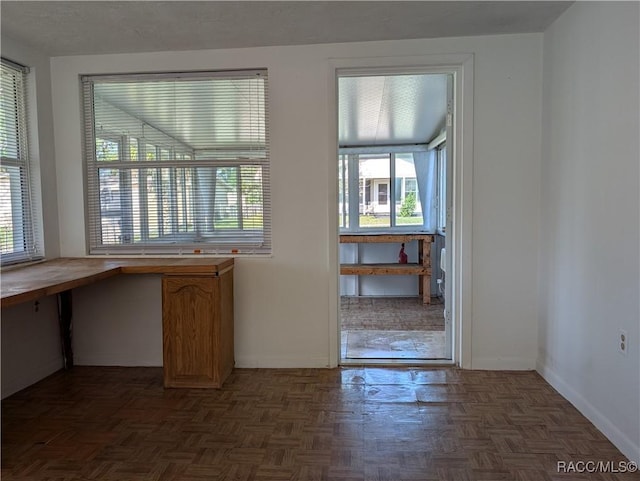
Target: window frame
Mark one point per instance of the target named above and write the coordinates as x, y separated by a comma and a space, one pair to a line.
351, 193
441, 221
171, 239
26, 237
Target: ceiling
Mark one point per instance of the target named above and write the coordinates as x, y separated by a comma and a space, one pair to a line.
95, 27
400, 110
204, 114
391, 110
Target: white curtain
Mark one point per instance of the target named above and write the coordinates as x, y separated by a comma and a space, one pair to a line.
426, 164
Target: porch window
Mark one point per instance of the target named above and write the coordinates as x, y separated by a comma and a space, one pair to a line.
178, 163
385, 187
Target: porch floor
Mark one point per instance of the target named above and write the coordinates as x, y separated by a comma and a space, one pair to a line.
391, 328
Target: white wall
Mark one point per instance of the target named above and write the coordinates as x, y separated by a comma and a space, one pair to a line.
589, 254
506, 176
139, 341
30, 346
283, 313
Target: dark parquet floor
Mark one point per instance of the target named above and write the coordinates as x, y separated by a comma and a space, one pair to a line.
356, 424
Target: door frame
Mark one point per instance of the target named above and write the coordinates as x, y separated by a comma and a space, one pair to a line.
459, 264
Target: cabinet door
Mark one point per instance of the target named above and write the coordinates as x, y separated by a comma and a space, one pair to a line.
190, 318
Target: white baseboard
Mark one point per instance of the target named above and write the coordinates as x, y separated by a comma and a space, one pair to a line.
241, 362
610, 430
121, 361
281, 362
503, 364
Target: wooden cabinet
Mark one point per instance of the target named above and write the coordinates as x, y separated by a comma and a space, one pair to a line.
197, 317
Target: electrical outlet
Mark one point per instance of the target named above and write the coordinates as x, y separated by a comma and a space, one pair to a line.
623, 342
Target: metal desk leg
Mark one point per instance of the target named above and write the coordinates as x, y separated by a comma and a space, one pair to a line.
64, 320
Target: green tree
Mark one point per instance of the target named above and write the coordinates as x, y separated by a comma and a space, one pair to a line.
408, 205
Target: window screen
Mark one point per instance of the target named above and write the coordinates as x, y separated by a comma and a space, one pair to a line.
17, 232
178, 163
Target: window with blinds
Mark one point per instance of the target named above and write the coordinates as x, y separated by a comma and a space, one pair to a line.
178, 163
18, 235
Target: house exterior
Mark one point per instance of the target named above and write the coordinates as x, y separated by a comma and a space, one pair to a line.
375, 188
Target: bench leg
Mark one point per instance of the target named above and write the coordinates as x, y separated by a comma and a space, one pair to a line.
424, 289
425, 282
64, 320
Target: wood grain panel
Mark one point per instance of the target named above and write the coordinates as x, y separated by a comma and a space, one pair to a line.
51, 277
30, 282
383, 269
226, 358
190, 331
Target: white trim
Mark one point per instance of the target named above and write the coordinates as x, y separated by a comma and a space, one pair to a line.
117, 359
424, 363
384, 149
266, 362
461, 261
461, 65
599, 420
333, 230
178, 75
437, 140
504, 364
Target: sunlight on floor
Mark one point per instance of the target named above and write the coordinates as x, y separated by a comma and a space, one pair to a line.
378, 344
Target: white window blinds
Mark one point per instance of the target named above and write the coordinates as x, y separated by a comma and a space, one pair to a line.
18, 236
178, 163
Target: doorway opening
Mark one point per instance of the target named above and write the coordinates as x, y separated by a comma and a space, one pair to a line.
394, 213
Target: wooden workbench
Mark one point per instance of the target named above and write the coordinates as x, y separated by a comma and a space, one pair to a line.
28, 283
422, 268
204, 285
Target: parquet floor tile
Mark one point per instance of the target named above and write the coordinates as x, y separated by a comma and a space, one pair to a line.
350, 424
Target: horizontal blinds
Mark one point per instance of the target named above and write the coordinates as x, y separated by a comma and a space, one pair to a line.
178, 163
17, 236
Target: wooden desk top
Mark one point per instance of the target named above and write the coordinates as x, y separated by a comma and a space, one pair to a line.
51, 277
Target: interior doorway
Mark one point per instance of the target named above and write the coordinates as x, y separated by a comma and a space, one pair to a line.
394, 129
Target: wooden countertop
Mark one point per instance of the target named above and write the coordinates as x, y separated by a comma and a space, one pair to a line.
45, 278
